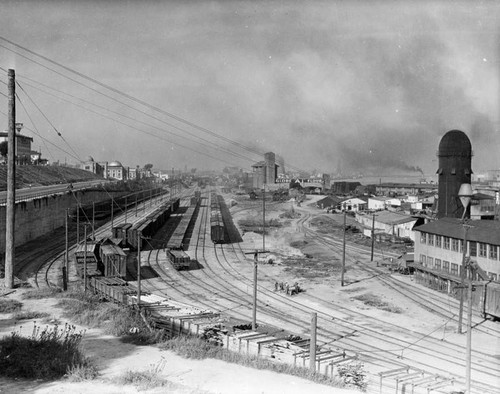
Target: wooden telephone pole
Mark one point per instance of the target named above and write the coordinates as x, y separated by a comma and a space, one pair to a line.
11, 179
255, 262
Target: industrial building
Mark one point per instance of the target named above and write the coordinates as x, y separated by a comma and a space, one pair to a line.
439, 244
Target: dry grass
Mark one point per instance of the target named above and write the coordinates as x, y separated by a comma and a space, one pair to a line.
375, 301
195, 348
30, 315
9, 306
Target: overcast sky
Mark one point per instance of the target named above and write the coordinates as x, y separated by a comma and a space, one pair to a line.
368, 85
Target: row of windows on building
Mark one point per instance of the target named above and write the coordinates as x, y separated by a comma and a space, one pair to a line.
446, 266
479, 249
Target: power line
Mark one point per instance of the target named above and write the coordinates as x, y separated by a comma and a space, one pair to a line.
47, 119
114, 90
136, 100
135, 120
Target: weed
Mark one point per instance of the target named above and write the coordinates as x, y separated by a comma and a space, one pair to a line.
145, 380
29, 315
8, 306
47, 354
82, 372
38, 294
375, 301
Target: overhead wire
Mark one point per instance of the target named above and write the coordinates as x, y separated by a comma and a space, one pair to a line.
136, 100
92, 89
47, 119
129, 97
141, 130
132, 119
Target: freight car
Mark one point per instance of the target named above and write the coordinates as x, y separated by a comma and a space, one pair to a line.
490, 300
102, 259
102, 210
179, 259
177, 240
137, 234
217, 228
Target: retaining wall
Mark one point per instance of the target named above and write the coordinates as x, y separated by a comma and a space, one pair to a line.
42, 215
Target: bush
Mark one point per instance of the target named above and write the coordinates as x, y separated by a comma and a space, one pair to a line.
48, 353
8, 306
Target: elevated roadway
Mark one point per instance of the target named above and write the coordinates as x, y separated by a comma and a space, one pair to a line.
43, 191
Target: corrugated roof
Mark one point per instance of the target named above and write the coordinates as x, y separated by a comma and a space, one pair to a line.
389, 217
486, 231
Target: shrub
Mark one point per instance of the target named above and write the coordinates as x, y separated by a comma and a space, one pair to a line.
8, 306
47, 354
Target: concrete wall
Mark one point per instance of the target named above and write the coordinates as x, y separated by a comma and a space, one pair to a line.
41, 216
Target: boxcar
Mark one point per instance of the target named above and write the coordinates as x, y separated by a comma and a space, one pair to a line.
90, 253
179, 259
114, 260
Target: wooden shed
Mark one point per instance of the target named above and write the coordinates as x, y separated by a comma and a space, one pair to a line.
114, 260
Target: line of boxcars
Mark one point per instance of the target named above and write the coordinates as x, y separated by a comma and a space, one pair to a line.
136, 235
217, 228
177, 242
102, 210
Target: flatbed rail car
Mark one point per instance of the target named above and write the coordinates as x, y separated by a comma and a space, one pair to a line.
113, 289
179, 259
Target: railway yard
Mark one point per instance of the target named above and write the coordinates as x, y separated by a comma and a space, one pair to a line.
402, 334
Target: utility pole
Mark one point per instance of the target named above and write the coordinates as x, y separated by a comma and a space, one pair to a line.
125, 209
136, 204
312, 344
112, 209
65, 267
373, 236
85, 259
139, 271
462, 278
77, 222
254, 309
93, 220
264, 218
11, 181
468, 366
343, 253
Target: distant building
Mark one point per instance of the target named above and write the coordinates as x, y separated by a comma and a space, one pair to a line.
92, 166
23, 144
391, 223
354, 205
343, 187
265, 172
116, 170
